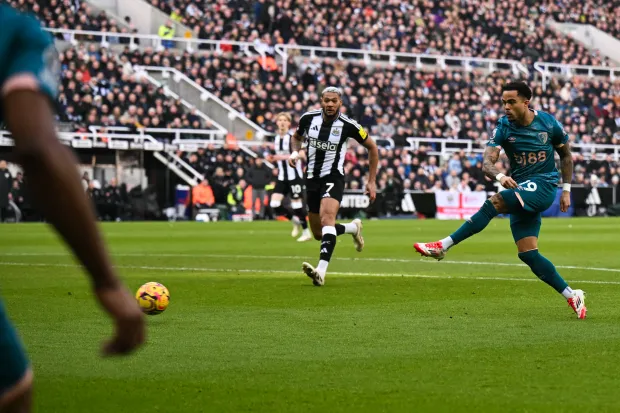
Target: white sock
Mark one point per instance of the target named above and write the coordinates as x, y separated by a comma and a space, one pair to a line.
322, 267
349, 228
306, 231
568, 293
447, 243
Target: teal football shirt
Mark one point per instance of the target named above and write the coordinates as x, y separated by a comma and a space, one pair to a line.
530, 148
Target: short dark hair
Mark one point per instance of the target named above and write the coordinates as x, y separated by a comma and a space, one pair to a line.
522, 89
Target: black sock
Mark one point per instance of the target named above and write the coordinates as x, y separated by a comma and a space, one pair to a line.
328, 243
339, 229
284, 211
301, 214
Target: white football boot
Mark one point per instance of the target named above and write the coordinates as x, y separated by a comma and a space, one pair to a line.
305, 236
578, 303
431, 249
318, 279
296, 226
358, 240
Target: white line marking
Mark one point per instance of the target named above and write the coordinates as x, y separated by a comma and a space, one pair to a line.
253, 271
300, 257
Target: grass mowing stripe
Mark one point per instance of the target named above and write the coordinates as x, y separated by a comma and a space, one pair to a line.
299, 257
252, 271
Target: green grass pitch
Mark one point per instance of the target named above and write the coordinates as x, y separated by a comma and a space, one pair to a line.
247, 332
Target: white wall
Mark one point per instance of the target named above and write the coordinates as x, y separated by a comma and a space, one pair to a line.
591, 37
145, 17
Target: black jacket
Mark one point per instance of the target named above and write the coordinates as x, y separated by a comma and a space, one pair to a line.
259, 177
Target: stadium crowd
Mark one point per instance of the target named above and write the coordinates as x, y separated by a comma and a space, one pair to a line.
510, 30
394, 102
74, 15
98, 90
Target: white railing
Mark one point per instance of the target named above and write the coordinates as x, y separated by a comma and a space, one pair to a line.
170, 164
420, 60
446, 147
134, 40
89, 140
174, 134
597, 151
547, 70
134, 141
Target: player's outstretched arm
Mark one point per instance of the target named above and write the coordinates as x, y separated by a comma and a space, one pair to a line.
51, 171
490, 158
373, 158
566, 166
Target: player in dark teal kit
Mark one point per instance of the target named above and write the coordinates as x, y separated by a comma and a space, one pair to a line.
529, 139
28, 78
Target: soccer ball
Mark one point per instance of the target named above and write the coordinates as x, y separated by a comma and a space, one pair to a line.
153, 298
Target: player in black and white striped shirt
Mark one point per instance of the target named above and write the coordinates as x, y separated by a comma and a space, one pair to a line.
290, 180
327, 132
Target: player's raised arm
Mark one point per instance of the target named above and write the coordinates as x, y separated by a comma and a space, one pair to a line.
373, 157
566, 166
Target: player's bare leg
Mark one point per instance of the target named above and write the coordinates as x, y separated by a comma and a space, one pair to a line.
300, 217
325, 229
51, 171
546, 271
327, 215
490, 209
18, 399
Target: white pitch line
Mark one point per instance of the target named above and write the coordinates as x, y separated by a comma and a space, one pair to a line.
254, 271
298, 257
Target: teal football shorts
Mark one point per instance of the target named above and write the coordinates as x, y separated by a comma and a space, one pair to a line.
537, 195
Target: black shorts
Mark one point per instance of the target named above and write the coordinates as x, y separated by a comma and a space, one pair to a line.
331, 186
294, 187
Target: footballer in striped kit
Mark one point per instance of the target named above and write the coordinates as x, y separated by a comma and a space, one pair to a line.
327, 132
290, 181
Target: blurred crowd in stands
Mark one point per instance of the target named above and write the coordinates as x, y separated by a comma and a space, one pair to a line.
485, 28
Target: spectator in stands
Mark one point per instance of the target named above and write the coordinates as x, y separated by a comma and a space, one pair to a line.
166, 32
202, 197
221, 186
455, 164
236, 197
96, 197
114, 200
258, 177
16, 200
384, 129
452, 180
